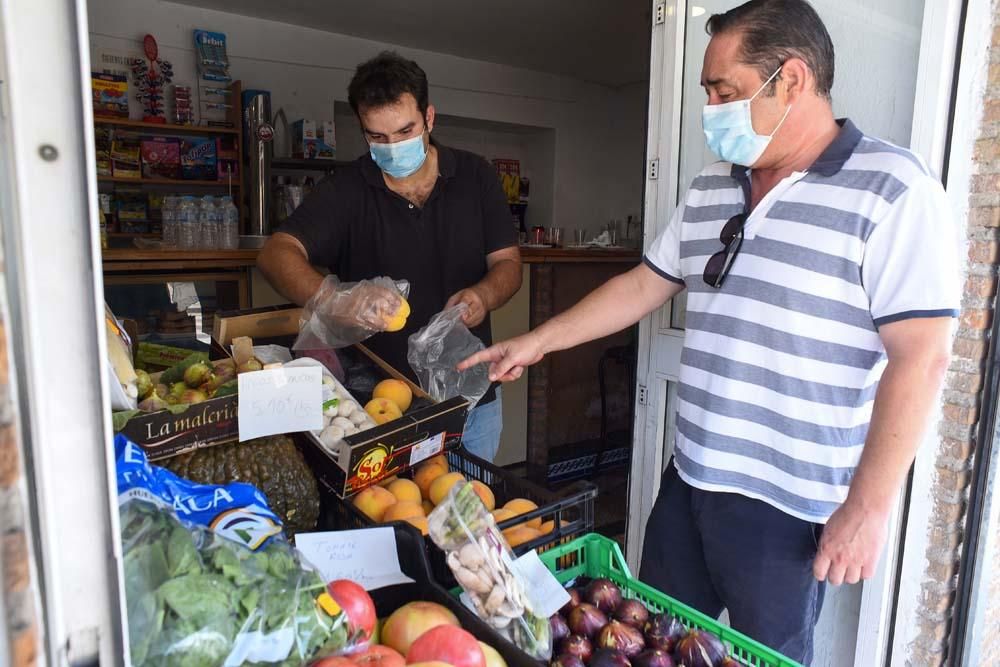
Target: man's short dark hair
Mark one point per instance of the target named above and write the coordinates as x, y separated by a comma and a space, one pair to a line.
774, 31
384, 79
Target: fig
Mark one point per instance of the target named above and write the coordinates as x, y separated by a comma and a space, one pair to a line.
607, 657
224, 368
143, 383
560, 630
586, 620
162, 390
192, 396
574, 601
603, 594
178, 388
730, 661
153, 403
632, 612
579, 646
700, 649
663, 631
568, 660
653, 658
621, 637
197, 374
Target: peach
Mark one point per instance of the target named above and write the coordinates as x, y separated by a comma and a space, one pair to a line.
428, 507
442, 485
547, 527
420, 523
382, 410
374, 501
425, 476
518, 535
485, 494
405, 489
396, 391
397, 320
402, 511
502, 515
521, 506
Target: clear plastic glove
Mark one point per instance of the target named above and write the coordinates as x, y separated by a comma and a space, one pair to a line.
434, 353
342, 314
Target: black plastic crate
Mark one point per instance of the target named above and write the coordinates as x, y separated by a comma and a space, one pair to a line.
413, 563
572, 510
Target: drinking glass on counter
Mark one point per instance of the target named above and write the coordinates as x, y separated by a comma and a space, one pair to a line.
613, 228
579, 237
556, 236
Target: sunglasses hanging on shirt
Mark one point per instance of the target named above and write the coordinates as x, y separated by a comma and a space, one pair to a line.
718, 265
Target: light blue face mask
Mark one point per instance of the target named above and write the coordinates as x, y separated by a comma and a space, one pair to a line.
400, 159
729, 130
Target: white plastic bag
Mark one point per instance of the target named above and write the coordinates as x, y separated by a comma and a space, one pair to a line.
435, 352
343, 314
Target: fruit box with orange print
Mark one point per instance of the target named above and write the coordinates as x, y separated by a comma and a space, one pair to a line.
425, 430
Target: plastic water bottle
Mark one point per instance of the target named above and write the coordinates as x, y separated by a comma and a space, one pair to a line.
169, 216
209, 223
230, 224
187, 224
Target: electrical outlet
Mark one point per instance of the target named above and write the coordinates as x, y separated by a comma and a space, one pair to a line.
661, 14
654, 169
642, 395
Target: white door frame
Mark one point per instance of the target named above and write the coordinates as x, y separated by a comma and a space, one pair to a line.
51, 249
928, 138
664, 132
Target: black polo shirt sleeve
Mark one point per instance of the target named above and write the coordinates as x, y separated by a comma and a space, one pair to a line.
498, 224
322, 222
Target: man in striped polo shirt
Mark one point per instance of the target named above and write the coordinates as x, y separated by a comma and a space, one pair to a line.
822, 276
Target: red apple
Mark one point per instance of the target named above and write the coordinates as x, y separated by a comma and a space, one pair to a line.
379, 656
335, 661
411, 620
357, 604
493, 658
432, 663
449, 644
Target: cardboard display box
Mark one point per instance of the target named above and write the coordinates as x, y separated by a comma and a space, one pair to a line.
426, 430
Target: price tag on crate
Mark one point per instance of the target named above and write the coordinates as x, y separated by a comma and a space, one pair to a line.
280, 400
546, 594
366, 556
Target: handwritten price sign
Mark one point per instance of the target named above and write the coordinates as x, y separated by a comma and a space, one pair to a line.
368, 557
281, 400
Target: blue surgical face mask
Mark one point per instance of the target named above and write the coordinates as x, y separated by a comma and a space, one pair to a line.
729, 130
402, 158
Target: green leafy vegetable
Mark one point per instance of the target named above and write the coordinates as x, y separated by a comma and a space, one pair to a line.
191, 594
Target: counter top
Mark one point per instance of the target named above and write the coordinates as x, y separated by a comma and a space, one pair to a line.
134, 259
580, 255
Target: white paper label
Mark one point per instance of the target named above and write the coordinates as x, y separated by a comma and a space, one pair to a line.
545, 593
280, 400
258, 647
367, 557
424, 450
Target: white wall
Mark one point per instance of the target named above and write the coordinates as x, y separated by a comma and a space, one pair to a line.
307, 71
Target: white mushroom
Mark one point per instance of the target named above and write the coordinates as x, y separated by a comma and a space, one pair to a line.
333, 410
350, 431
329, 381
358, 417
345, 408
343, 422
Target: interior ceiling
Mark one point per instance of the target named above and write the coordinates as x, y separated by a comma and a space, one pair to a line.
602, 41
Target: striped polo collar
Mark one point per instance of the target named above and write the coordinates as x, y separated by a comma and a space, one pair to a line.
831, 160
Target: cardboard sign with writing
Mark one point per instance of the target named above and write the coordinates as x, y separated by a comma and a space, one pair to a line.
368, 556
280, 400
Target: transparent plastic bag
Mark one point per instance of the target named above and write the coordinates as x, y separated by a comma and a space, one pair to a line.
343, 314
482, 562
436, 350
209, 579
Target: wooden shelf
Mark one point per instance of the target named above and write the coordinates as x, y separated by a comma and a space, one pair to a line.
165, 127
167, 181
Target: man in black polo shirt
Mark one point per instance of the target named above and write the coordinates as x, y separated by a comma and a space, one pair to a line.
410, 209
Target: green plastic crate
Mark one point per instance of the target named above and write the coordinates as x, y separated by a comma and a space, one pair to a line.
596, 556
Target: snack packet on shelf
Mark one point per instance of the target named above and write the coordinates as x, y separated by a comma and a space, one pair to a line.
482, 562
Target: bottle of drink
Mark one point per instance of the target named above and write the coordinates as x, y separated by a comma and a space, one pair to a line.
187, 224
208, 223
230, 224
169, 216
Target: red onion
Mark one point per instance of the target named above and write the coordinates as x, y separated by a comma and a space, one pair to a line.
653, 658
568, 660
578, 646
700, 649
632, 612
560, 630
607, 657
574, 601
663, 631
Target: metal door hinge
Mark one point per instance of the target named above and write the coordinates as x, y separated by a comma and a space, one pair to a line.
654, 169
660, 15
642, 394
